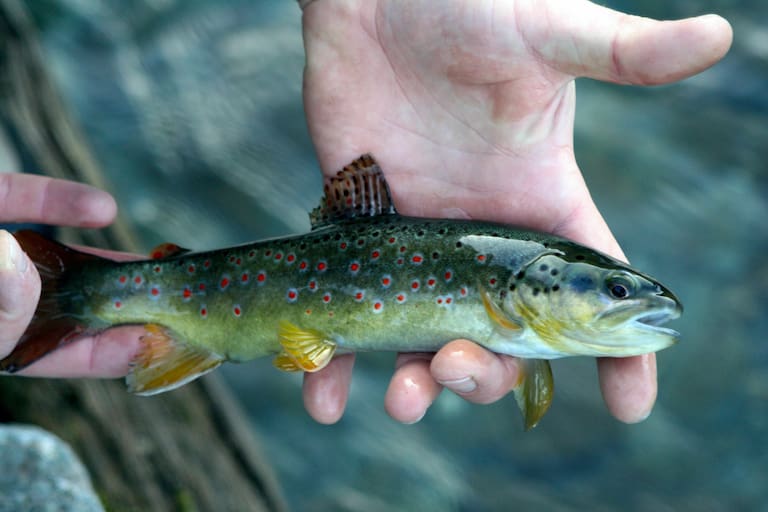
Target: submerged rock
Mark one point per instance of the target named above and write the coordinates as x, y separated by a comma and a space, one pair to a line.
40, 472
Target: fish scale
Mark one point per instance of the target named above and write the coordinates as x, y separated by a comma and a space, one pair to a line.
365, 278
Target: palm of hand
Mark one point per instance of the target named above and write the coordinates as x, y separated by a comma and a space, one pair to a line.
469, 107
474, 124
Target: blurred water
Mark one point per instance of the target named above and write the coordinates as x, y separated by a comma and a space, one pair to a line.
194, 108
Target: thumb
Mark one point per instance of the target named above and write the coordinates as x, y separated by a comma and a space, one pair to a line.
19, 292
597, 42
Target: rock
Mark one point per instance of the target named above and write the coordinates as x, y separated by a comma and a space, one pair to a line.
40, 473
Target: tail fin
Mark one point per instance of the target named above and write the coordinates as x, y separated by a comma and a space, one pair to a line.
52, 326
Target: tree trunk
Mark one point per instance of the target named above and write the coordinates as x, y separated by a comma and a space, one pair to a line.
191, 449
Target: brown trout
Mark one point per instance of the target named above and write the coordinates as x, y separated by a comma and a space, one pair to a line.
365, 278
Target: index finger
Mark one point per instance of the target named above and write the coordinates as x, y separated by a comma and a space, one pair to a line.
43, 200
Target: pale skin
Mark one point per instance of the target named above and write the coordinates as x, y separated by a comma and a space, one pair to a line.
468, 105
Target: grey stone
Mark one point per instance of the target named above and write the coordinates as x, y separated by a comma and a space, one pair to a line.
40, 473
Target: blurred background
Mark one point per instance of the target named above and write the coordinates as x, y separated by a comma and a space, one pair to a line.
194, 111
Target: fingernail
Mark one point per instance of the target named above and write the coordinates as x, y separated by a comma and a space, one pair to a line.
412, 422
465, 385
11, 257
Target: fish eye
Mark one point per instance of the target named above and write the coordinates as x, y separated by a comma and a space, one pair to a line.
620, 287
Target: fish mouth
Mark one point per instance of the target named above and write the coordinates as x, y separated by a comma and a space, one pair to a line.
646, 317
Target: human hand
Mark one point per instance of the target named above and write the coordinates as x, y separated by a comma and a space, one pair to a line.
468, 107
40, 200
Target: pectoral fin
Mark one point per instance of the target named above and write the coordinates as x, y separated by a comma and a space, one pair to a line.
303, 349
500, 319
534, 392
163, 363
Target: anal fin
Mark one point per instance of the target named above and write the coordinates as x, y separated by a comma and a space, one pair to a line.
164, 363
303, 349
534, 392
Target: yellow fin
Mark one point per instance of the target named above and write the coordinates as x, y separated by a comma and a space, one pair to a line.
534, 392
496, 314
164, 363
284, 362
310, 350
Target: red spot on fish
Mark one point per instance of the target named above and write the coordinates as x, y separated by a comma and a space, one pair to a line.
480, 258
186, 293
415, 285
448, 300
138, 280
378, 306
343, 246
312, 285
386, 281
360, 242
463, 291
204, 312
122, 279
417, 259
245, 277
399, 262
261, 277
201, 287
207, 264
292, 295
376, 254
290, 258
251, 254
303, 265
268, 253
440, 300
231, 259
431, 282
278, 256
322, 266
359, 295
191, 269
238, 262
403, 248
224, 283
158, 269
400, 298
118, 304
237, 311
155, 291
354, 267
327, 298
392, 240
492, 281
448, 276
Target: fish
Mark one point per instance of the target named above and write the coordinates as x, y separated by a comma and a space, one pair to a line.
364, 278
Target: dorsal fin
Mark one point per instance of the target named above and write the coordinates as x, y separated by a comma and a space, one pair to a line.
358, 190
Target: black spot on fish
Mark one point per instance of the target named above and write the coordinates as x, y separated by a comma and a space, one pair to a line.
520, 275
555, 287
459, 245
582, 284
420, 233
554, 272
435, 255
512, 287
536, 292
375, 234
580, 257
544, 267
441, 231
337, 236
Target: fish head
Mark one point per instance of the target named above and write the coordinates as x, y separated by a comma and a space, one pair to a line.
592, 306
